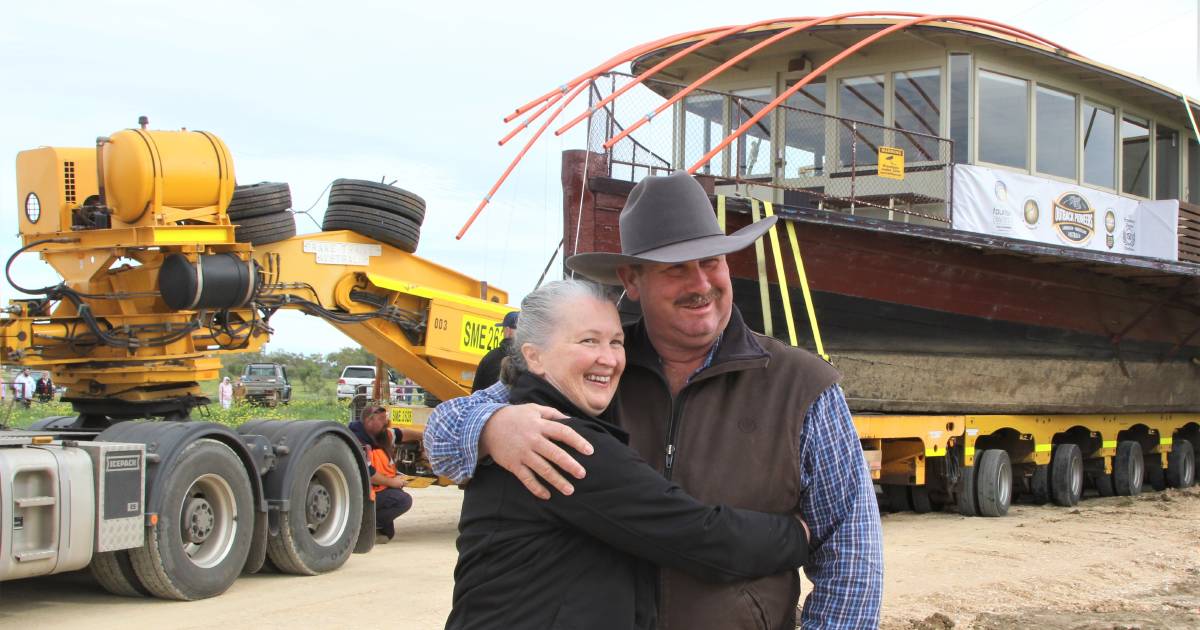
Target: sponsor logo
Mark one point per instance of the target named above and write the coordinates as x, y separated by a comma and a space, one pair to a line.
1031, 212
1074, 219
1110, 224
124, 462
1129, 235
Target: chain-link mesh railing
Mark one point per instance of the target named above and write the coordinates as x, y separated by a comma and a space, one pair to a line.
792, 155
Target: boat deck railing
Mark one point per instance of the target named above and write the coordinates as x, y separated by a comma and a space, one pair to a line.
795, 156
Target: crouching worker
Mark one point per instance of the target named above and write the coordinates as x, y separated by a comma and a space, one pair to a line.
380, 439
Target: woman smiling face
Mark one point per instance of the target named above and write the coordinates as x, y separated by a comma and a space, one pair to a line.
585, 356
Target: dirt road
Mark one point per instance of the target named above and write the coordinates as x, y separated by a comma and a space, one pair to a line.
1110, 563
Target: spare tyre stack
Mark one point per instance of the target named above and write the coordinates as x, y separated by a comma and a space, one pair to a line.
385, 213
261, 213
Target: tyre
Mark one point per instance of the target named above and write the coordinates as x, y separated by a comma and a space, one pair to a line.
378, 196
319, 532
256, 200
1039, 485
265, 229
993, 483
1154, 475
966, 491
205, 527
382, 226
1128, 469
114, 571
896, 497
1104, 485
1066, 475
1181, 464
918, 498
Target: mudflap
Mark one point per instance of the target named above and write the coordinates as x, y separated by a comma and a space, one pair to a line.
258, 546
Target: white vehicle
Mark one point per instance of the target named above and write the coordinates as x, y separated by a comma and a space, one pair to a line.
355, 375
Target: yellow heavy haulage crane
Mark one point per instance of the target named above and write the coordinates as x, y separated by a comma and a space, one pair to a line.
159, 279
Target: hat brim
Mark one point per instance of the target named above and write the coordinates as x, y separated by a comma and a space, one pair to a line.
602, 266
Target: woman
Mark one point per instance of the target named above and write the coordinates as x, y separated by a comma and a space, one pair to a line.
225, 393
588, 560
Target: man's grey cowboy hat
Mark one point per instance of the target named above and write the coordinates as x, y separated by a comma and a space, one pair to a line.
666, 220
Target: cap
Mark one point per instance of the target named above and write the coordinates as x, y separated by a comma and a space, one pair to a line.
510, 320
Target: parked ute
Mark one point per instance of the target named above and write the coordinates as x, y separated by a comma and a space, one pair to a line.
266, 384
354, 376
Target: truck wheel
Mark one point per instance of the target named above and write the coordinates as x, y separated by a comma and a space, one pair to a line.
1104, 484
255, 200
1066, 475
395, 230
1181, 464
1039, 485
114, 571
966, 491
319, 532
993, 483
1128, 469
204, 531
268, 228
395, 200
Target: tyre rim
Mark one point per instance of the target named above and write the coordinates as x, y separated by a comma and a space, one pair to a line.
1076, 476
1004, 486
1137, 474
327, 504
208, 521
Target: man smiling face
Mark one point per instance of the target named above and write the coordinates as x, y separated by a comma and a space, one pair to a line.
685, 305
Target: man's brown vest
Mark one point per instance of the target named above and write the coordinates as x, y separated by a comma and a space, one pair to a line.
736, 442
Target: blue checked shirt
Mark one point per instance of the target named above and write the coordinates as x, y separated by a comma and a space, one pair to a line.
837, 502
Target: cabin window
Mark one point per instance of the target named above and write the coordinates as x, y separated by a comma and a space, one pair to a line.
754, 153
1099, 150
917, 107
1166, 163
860, 99
703, 128
804, 132
1135, 156
960, 106
1003, 119
1056, 127
1193, 179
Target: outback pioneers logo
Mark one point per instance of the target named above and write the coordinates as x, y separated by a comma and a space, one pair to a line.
1074, 218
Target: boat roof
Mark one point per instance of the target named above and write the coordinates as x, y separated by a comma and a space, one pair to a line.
941, 32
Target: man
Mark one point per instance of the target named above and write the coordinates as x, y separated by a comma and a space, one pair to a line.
391, 501
23, 387
732, 416
488, 372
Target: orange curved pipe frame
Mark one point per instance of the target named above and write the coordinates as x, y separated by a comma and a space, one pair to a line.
575, 86
780, 35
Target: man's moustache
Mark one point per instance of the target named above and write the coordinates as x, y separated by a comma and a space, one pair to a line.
698, 299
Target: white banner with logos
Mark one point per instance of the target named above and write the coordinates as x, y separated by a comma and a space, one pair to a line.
1002, 203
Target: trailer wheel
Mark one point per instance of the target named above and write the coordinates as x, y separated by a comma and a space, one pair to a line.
203, 535
1128, 469
1104, 485
114, 571
896, 496
993, 483
1066, 475
919, 499
1155, 476
1039, 485
319, 532
967, 505
1181, 464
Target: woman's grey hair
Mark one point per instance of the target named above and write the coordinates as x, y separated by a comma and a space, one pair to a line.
539, 318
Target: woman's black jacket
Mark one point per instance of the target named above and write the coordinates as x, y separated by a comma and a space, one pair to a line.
588, 560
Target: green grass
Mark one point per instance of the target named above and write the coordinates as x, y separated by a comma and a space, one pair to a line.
305, 405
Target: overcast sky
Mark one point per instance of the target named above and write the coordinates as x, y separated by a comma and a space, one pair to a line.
306, 92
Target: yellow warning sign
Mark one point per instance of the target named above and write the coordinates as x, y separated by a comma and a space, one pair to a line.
891, 162
479, 335
402, 416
